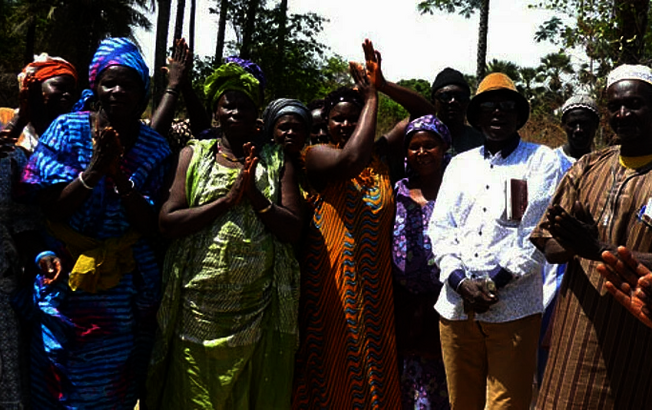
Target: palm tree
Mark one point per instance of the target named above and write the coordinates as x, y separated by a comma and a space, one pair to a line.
162, 24
280, 46
221, 29
466, 8
76, 27
249, 26
178, 24
553, 65
506, 67
191, 29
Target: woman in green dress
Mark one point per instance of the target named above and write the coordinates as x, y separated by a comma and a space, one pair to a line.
228, 318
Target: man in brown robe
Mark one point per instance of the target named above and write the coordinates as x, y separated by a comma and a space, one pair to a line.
601, 355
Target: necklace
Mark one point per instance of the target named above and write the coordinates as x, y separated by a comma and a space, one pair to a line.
225, 155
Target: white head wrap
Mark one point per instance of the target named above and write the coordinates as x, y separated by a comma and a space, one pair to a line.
580, 101
630, 72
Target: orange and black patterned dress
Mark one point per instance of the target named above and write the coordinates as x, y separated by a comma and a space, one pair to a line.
347, 354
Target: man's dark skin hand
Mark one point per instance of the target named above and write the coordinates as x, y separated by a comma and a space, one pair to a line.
577, 233
476, 295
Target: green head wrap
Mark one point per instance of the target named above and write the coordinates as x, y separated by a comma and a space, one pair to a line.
231, 76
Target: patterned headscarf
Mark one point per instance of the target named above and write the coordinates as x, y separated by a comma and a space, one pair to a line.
118, 51
427, 123
44, 67
113, 51
231, 76
252, 68
283, 106
630, 72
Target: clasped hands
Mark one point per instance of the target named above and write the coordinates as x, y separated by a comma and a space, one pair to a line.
245, 183
477, 295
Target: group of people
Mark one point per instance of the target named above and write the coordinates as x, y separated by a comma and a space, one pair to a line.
290, 258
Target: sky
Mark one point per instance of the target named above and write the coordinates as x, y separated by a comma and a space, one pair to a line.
412, 45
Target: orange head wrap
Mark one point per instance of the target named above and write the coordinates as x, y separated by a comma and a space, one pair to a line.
45, 67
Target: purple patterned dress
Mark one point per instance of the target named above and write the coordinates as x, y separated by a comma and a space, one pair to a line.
416, 288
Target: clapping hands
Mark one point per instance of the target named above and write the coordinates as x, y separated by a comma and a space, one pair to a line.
630, 283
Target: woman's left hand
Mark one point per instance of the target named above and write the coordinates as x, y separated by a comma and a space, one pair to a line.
249, 170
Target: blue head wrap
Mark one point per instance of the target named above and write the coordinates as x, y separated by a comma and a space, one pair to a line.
114, 51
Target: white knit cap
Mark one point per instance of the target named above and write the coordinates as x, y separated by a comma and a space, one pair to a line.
580, 101
630, 72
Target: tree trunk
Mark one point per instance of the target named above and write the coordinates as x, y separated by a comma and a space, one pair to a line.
191, 29
178, 24
30, 39
280, 46
482, 40
162, 26
221, 29
632, 20
245, 48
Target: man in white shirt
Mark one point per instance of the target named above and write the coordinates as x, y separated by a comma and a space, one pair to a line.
491, 302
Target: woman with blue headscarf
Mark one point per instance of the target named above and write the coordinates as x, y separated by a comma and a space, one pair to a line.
97, 175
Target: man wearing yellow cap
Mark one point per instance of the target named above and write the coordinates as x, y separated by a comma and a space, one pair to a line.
490, 199
600, 355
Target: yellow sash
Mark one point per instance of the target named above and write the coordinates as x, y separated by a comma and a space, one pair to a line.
99, 264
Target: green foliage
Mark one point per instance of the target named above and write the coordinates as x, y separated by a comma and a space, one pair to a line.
306, 74
390, 112
608, 31
506, 67
463, 7
71, 29
419, 85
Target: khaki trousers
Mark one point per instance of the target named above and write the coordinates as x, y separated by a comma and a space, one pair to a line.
490, 364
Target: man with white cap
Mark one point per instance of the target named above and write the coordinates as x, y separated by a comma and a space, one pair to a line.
491, 302
600, 355
580, 119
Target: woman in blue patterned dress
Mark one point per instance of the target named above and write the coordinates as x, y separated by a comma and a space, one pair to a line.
97, 175
416, 277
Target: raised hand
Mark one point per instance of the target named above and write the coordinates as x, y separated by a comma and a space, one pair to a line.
179, 64
250, 163
630, 283
373, 63
362, 82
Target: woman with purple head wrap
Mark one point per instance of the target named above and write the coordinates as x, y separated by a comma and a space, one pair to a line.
416, 277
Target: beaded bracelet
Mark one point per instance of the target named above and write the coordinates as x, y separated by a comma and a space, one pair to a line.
90, 188
43, 255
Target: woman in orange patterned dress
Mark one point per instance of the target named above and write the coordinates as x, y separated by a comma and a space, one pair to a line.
347, 353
